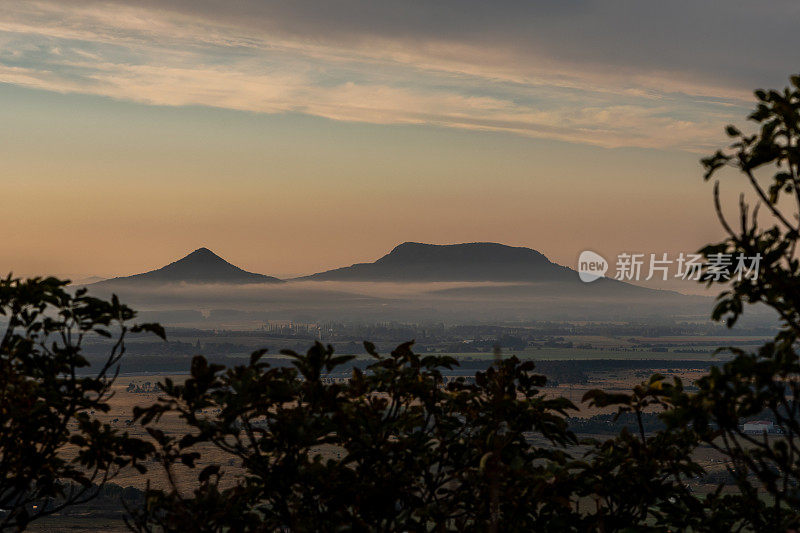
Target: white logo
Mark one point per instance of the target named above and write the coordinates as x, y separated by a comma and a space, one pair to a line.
718, 267
591, 266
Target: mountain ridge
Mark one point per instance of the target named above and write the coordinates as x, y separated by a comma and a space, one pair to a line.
406, 262
475, 261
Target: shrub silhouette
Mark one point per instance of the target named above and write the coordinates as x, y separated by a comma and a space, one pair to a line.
46, 406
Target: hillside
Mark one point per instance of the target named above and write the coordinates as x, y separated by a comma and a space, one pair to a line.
200, 266
479, 261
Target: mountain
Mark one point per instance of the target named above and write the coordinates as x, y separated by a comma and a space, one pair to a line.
477, 261
200, 266
524, 285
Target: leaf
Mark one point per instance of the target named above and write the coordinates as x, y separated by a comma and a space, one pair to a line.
370, 348
151, 327
256, 355
211, 470
732, 131
189, 458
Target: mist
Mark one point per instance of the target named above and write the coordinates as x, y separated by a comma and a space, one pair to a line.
251, 305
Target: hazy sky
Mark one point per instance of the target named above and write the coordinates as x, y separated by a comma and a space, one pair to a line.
291, 137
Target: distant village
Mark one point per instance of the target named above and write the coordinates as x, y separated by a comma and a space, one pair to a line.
143, 388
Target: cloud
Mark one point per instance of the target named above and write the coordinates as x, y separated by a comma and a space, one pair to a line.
614, 75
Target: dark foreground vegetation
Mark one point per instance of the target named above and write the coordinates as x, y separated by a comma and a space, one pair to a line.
407, 452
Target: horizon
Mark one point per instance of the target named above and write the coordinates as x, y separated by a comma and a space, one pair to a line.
296, 145
687, 287
286, 278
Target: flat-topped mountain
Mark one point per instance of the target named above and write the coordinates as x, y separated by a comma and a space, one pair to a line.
200, 266
477, 261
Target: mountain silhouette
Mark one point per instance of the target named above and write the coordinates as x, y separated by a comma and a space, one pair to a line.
200, 266
477, 261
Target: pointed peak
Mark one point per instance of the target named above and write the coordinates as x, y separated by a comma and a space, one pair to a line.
202, 254
201, 266
203, 251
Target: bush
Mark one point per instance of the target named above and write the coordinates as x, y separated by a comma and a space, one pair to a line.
46, 405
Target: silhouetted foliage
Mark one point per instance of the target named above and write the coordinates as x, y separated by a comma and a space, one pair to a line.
394, 449
53, 452
404, 452
767, 381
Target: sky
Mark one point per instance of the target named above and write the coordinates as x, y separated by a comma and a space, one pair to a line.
292, 137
